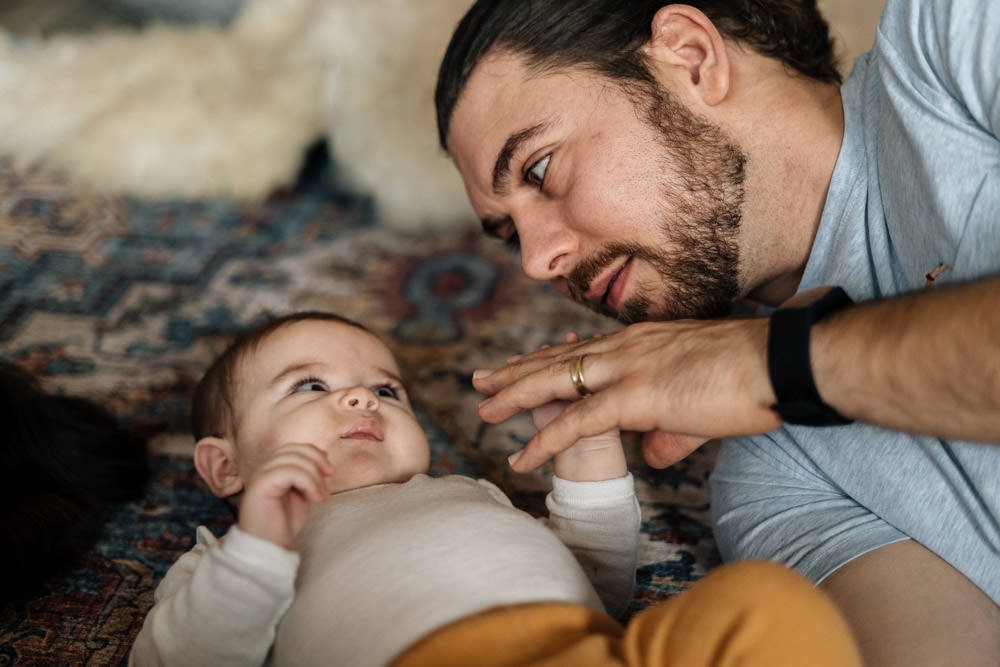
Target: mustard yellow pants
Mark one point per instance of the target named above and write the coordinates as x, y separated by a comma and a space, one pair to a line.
745, 614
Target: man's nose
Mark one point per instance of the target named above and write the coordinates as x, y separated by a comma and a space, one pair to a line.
548, 243
359, 398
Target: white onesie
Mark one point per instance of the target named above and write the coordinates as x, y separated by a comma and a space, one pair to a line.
379, 567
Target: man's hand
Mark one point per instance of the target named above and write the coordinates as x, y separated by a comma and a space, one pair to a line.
691, 380
590, 459
276, 502
662, 449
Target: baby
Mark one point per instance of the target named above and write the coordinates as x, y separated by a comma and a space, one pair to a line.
345, 551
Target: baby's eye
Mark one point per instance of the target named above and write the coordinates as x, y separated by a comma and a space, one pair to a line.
386, 391
309, 384
536, 174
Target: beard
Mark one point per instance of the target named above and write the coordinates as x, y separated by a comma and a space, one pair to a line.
701, 199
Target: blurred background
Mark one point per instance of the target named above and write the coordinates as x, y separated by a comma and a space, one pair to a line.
853, 21
51, 16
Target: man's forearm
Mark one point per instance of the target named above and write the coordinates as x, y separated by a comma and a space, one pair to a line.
925, 363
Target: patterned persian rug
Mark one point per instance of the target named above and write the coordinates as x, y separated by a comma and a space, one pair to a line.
126, 302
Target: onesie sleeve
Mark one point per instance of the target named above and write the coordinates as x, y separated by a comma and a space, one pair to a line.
219, 604
600, 522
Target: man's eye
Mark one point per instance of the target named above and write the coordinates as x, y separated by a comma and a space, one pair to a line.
536, 174
386, 391
309, 384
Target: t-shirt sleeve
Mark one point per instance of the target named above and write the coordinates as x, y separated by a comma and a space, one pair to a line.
600, 522
952, 45
935, 128
219, 604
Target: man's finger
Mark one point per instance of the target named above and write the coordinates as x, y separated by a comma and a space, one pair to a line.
661, 449
492, 380
582, 419
549, 383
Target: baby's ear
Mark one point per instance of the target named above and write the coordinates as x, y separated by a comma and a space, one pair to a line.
215, 461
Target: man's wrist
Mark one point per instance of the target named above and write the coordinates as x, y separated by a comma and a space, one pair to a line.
790, 366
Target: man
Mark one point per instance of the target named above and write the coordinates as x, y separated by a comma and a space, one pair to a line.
655, 163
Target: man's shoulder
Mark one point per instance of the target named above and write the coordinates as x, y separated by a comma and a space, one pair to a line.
933, 29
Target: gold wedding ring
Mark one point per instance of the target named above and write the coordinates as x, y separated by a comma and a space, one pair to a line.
576, 374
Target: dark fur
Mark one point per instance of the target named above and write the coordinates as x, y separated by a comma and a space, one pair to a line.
64, 459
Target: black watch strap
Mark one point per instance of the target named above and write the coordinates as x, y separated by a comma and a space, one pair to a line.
789, 365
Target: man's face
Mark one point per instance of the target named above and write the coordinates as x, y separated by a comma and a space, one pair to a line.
630, 206
334, 386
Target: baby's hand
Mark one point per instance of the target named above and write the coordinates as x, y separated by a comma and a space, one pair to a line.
276, 501
592, 459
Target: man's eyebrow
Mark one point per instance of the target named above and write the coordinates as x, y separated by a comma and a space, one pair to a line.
501, 168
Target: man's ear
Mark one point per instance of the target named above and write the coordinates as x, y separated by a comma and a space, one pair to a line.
686, 46
215, 460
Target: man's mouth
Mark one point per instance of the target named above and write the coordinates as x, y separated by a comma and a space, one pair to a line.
610, 290
366, 429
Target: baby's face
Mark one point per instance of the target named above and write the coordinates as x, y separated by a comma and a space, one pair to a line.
336, 387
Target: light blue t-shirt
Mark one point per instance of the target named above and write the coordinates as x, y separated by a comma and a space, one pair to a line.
916, 184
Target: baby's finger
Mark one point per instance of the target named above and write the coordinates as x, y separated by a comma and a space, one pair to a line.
518, 358
276, 481
514, 359
544, 414
306, 451
306, 458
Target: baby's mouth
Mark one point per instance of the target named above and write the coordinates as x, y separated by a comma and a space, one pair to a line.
366, 429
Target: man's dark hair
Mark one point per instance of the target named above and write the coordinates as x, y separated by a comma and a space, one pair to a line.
212, 405
606, 36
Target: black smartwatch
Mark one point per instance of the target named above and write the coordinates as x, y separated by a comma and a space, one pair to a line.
790, 368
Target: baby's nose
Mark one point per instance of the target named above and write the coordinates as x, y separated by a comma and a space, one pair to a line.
359, 398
